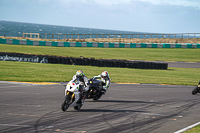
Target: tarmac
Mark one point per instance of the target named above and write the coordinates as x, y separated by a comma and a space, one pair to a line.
127, 108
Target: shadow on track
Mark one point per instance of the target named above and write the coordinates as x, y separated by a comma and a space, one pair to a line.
119, 101
109, 110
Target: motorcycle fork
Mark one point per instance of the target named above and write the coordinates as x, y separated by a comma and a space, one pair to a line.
72, 96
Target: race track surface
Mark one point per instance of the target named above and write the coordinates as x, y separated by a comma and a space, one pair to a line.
184, 64
126, 108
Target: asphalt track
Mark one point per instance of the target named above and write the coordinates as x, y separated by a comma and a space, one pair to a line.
126, 108
184, 64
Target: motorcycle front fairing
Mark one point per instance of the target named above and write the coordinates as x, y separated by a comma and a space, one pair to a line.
94, 83
73, 88
95, 87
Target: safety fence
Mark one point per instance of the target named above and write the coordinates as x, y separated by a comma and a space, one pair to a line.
98, 44
107, 36
4, 56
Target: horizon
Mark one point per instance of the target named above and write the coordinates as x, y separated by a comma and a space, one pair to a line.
149, 16
95, 28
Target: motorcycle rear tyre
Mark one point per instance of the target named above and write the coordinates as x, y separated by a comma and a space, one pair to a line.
195, 91
77, 107
65, 104
97, 97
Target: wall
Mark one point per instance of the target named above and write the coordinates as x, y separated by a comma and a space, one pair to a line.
98, 44
6, 56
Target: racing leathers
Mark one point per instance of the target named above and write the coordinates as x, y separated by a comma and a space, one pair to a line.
83, 88
106, 82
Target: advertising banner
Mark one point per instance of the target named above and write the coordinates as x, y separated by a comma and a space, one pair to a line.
22, 58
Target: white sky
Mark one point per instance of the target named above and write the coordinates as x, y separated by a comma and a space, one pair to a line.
158, 16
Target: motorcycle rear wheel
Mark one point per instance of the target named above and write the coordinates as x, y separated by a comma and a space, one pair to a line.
195, 91
66, 103
97, 97
77, 107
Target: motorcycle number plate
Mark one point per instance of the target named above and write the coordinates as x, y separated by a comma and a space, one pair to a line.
198, 85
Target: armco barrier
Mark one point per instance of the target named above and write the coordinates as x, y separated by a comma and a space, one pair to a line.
98, 44
4, 56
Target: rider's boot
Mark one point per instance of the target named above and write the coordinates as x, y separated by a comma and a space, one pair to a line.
103, 91
80, 101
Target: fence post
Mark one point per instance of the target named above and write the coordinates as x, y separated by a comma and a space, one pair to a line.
52, 36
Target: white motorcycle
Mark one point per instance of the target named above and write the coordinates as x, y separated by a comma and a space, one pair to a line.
72, 95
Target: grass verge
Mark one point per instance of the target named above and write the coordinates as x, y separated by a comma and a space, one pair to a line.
194, 130
148, 54
36, 72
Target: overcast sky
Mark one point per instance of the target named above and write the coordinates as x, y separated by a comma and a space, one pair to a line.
158, 16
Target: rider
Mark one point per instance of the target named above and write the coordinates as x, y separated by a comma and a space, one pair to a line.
80, 76
106, 80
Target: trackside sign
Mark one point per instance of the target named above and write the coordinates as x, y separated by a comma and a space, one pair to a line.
23, 58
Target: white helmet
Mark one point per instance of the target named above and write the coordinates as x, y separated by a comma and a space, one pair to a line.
104, 74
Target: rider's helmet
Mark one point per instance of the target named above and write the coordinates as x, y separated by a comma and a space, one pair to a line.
79, 74
104, 74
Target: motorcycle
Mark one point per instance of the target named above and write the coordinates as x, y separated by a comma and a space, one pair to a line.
95, 87
196, 89
72, 95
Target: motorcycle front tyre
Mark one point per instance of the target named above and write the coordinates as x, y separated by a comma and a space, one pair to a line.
66, 103
195, 91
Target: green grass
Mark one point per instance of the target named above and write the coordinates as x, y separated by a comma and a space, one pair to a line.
37, 72
25, 71
149, 54
194, 130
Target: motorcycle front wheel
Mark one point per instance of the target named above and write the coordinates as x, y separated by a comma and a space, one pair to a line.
195, 91
66, 103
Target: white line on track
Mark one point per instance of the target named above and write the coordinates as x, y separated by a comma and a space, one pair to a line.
187, 128
153, 114
13, 125
11, 86
9, 82
20, 105
14, 92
